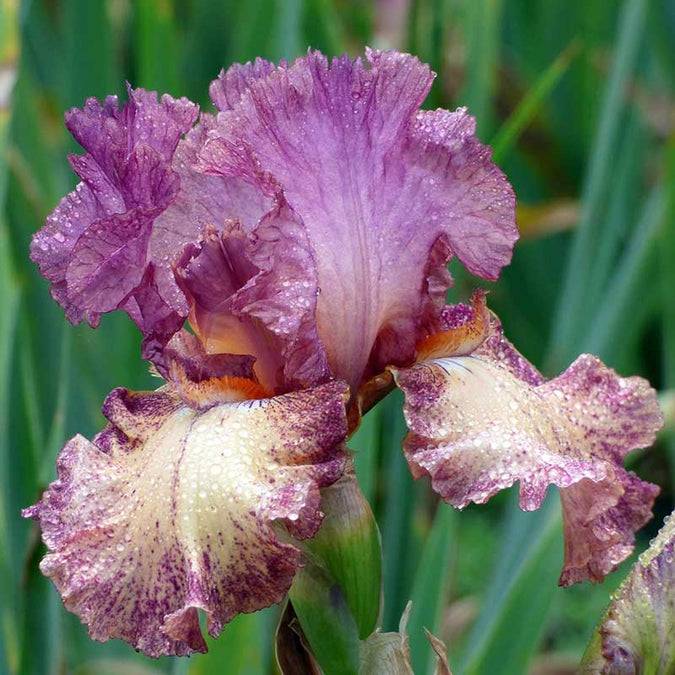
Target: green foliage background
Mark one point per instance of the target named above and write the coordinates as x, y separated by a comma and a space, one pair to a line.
578, 98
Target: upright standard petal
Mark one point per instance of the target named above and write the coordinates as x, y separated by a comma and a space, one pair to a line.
114, 242
256, 294
482, 418
228, 88
93, 247
386, 193
172, 508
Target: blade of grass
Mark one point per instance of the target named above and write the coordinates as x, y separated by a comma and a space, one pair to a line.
90, 69
428, 23
624, 288
155, 40
9, 290
667, 273
56, 434
289, 35
396, 516
515, 606
430, 587
323, 28
482, 30
10, 293
626, 192
365, 443
29, 380
522, 116
243, 647
572, 313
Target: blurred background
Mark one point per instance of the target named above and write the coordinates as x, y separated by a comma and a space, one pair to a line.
578, 100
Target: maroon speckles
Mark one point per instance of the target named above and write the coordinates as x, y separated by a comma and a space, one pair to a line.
176, 513
454, 316
480, 423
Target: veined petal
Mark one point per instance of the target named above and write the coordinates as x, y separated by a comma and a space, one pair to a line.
171, 509
93, 247
113, 242
256, 294
387, 194
228, 88
480, 421
203, 203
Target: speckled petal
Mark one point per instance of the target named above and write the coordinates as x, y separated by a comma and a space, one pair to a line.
381, 188
637, 635
187, 350
171, 509
481, 421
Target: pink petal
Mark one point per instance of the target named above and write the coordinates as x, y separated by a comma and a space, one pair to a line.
386, 193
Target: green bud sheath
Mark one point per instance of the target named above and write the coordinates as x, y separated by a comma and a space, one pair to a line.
336, 595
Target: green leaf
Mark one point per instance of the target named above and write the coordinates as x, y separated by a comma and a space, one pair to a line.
519, 596
625, 288
243, 646
667, 269
10, 293
366, 444
572, 312
326, 620
522, 116
155, 40
431, 585
482, 27
397, 512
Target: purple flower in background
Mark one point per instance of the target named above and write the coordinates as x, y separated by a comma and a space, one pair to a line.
303, 232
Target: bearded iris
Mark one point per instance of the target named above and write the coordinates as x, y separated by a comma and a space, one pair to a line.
303, 232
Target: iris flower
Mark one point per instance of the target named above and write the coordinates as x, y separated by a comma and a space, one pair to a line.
303, 234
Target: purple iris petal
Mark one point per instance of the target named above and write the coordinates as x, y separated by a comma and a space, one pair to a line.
94, 246
380, 188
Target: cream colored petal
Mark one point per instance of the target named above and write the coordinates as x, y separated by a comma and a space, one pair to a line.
476, 428
171, 510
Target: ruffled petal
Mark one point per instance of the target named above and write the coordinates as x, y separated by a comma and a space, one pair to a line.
381, 189
481, 421
228, 88
171, 510
113, 243
256, 294
187, 352
637, 634
203, 202
93, 247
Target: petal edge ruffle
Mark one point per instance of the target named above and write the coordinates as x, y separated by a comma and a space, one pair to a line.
171, 509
